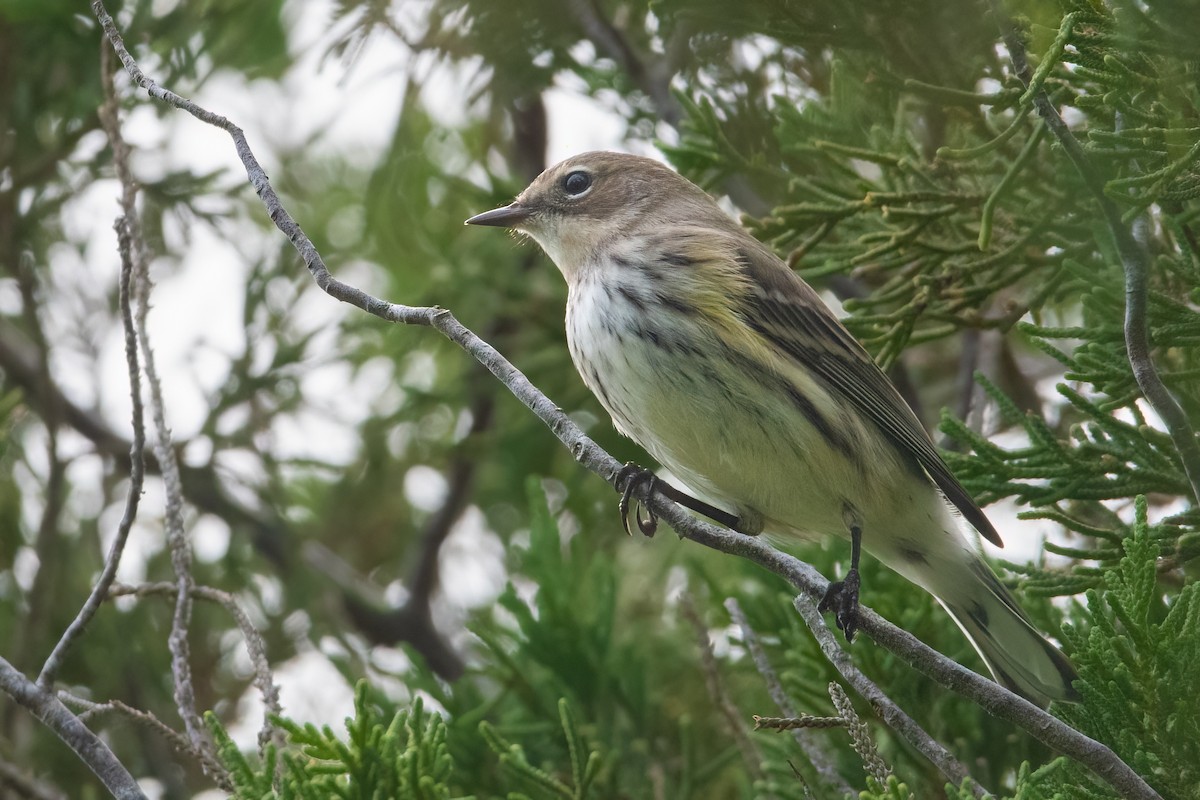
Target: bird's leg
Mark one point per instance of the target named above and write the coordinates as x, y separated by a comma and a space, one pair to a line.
842, 596
633, 476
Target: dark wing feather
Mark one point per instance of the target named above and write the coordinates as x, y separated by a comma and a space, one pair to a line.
788, 313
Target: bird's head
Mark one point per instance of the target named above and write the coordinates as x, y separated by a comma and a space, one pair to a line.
581, 206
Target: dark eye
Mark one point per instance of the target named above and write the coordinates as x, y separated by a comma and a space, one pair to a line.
577, 183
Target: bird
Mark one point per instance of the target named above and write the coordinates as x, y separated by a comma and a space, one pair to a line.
711, 353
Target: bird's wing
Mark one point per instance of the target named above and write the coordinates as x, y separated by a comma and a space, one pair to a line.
789, 314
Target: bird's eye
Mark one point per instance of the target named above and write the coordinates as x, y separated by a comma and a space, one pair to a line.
576, 183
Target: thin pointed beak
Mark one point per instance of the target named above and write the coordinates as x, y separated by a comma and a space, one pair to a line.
505, 217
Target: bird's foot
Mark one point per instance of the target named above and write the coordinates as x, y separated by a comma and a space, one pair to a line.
632, 476
842, 599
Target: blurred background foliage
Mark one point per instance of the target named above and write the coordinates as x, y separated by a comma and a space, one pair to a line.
453, 552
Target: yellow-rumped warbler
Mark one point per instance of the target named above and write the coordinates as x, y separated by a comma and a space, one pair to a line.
730, 370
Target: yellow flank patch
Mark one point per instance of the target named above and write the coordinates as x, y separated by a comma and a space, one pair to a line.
714, 284
717, 289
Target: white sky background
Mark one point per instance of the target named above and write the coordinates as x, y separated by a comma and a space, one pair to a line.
194, 321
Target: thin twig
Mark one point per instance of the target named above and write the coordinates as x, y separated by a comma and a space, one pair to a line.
164, 453
137, 470
174, 738
716, 689
1135, 261
813, 748
58, 718
993, 697
133, 248
802, 722
256, 647
892, 715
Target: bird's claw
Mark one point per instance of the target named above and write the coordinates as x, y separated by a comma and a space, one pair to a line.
842, 599
634, 476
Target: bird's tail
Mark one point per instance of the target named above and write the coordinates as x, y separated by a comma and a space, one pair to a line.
1018, 655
